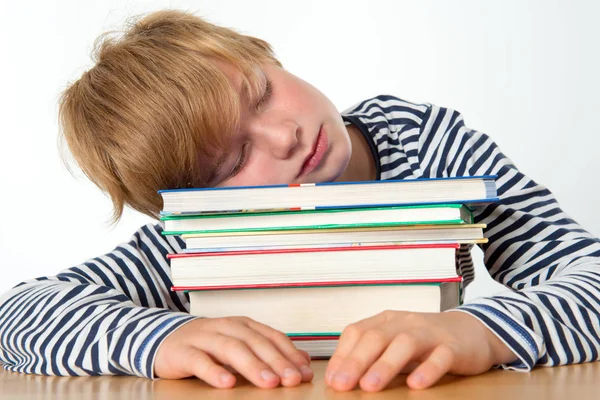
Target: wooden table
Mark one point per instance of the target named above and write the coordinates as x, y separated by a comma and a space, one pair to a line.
576, 382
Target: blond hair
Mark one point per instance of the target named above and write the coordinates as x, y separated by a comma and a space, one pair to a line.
154, 112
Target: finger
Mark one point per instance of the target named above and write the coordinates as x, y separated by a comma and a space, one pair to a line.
433, 368
284, 344
305, 355
202, 366
348, 339
264, 349
367, 349
409, 367
236, 353
403, 349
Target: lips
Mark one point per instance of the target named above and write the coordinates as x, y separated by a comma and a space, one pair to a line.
313, 160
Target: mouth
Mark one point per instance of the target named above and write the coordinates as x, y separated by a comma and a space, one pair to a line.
313, 160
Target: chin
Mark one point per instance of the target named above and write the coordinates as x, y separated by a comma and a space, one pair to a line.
332, 175
340, 167
332, 168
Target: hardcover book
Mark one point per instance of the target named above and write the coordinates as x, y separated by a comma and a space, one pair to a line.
329, 195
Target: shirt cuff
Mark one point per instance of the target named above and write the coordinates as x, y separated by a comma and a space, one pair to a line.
523, 341
157, 331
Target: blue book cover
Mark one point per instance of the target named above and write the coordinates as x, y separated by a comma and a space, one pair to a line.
327, 195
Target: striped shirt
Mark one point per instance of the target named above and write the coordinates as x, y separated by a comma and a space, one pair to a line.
110, 314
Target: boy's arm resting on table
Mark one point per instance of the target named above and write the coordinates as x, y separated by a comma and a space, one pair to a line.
551, 266
106, 316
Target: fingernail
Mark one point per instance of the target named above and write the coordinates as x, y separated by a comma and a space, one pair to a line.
341, 378
225, 378
417, 378
305, 369
289, 372
268, 375
373, 379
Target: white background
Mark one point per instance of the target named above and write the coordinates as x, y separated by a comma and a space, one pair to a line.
525, 72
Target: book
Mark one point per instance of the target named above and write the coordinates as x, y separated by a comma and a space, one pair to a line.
324, 310
312, 266
318, 347
463, 190
328, 218
339, 237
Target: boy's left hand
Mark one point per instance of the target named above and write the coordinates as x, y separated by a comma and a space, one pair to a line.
373, 351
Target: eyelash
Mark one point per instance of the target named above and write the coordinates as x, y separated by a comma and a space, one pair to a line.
240, 162
242, 159
266, 96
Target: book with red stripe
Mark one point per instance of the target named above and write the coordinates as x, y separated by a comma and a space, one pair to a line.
318, 347
398, 262
328, 195
316, 284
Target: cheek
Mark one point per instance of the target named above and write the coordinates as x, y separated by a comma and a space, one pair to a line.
260, 171
266, 173
301, 98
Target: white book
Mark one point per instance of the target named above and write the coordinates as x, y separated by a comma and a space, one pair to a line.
315, 265
323, 310
330, 195
316, 347
359, 236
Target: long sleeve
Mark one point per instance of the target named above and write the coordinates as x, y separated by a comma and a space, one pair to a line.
106, 316
550, 314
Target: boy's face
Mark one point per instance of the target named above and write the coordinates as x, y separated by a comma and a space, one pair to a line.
295, 135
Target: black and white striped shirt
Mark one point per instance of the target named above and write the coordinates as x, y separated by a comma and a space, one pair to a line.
110, 314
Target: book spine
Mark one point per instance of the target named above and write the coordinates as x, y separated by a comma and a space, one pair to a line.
311, 336
297, 228
319, 284
316, 250
486, 178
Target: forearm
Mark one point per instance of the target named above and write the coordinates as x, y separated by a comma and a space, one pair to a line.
105, 316
63, 328
553, 323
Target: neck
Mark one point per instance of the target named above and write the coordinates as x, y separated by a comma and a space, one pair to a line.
361, 166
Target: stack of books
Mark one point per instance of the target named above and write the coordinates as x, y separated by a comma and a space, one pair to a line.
310, 259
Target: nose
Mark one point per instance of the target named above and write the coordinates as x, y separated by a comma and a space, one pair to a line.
280, 138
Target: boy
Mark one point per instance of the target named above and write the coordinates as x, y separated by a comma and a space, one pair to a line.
178, 102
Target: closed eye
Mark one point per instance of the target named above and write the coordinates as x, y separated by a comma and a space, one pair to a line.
241, 161
264, 99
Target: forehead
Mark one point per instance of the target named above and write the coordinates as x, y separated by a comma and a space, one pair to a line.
232, 73
247, 85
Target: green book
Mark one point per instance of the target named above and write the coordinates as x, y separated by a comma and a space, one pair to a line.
437, 214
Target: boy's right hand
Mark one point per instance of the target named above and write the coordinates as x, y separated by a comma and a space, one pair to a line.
204, 347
